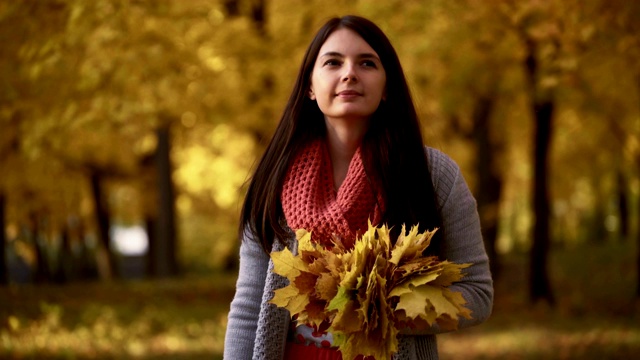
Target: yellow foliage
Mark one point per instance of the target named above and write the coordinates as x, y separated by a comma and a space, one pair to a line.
370, 291
219, 168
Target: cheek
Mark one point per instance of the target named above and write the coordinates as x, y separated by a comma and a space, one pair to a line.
383, 90
319, 86
323, 103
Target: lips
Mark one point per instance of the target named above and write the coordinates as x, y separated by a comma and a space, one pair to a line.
349, 93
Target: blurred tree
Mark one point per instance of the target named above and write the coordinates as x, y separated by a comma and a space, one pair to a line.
613, 93
88, 86
623, 205
84, 51
470, 92
489, 180
538, 28
106, 259
163, 248
623, 18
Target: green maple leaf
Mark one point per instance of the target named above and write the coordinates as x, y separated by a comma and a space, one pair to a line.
340, 300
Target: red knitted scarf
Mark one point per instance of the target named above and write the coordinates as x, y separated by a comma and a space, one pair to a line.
309, 200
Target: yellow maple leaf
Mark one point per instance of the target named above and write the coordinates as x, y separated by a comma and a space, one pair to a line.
347, 320
450, 273
375, 345
290, 298
327, 286
356, 265
283, 296
422, 279
287, 265
457, 299
440, 303
305, 282
312, 314
412, 302
410, 245
304, 240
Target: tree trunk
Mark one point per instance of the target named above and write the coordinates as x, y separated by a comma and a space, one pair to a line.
105, 258
41, 271
539, 281
638, 244
258, 11
4, 268
638, 269
596, 231
489, 184
163, 249
637, 78
623, 206
65, 263
542, 107
150, 224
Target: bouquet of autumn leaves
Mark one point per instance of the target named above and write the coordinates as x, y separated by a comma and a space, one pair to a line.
369, 292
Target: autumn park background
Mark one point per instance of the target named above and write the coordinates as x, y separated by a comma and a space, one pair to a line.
128, 129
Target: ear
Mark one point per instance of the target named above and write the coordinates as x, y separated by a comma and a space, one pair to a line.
311, 94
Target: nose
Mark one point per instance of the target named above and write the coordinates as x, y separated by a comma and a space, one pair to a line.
349, 74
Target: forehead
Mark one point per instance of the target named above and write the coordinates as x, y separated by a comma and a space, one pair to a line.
346, 42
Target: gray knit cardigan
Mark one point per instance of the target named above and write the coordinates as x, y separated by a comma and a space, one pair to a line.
258, 330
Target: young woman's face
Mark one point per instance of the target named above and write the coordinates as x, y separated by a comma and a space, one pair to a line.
348, 80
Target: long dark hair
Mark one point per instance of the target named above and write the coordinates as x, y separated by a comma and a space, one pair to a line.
393, 151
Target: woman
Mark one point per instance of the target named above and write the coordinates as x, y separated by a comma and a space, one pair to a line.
348, 148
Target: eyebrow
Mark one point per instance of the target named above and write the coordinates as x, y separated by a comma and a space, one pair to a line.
361, 56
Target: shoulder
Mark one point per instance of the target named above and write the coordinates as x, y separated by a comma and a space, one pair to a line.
444, 170
439, 159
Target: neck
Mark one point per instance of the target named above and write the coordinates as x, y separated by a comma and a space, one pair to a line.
342, 143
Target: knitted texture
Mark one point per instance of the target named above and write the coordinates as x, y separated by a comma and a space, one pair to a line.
276, 333
309, 200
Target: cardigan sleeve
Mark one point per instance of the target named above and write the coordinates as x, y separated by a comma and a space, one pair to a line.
245, 306
461, 239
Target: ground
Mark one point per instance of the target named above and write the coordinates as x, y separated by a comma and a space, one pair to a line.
596, 315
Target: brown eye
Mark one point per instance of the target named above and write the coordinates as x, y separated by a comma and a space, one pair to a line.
369, 63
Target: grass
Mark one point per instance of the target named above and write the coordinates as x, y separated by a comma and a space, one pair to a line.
170, 319
595, 316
